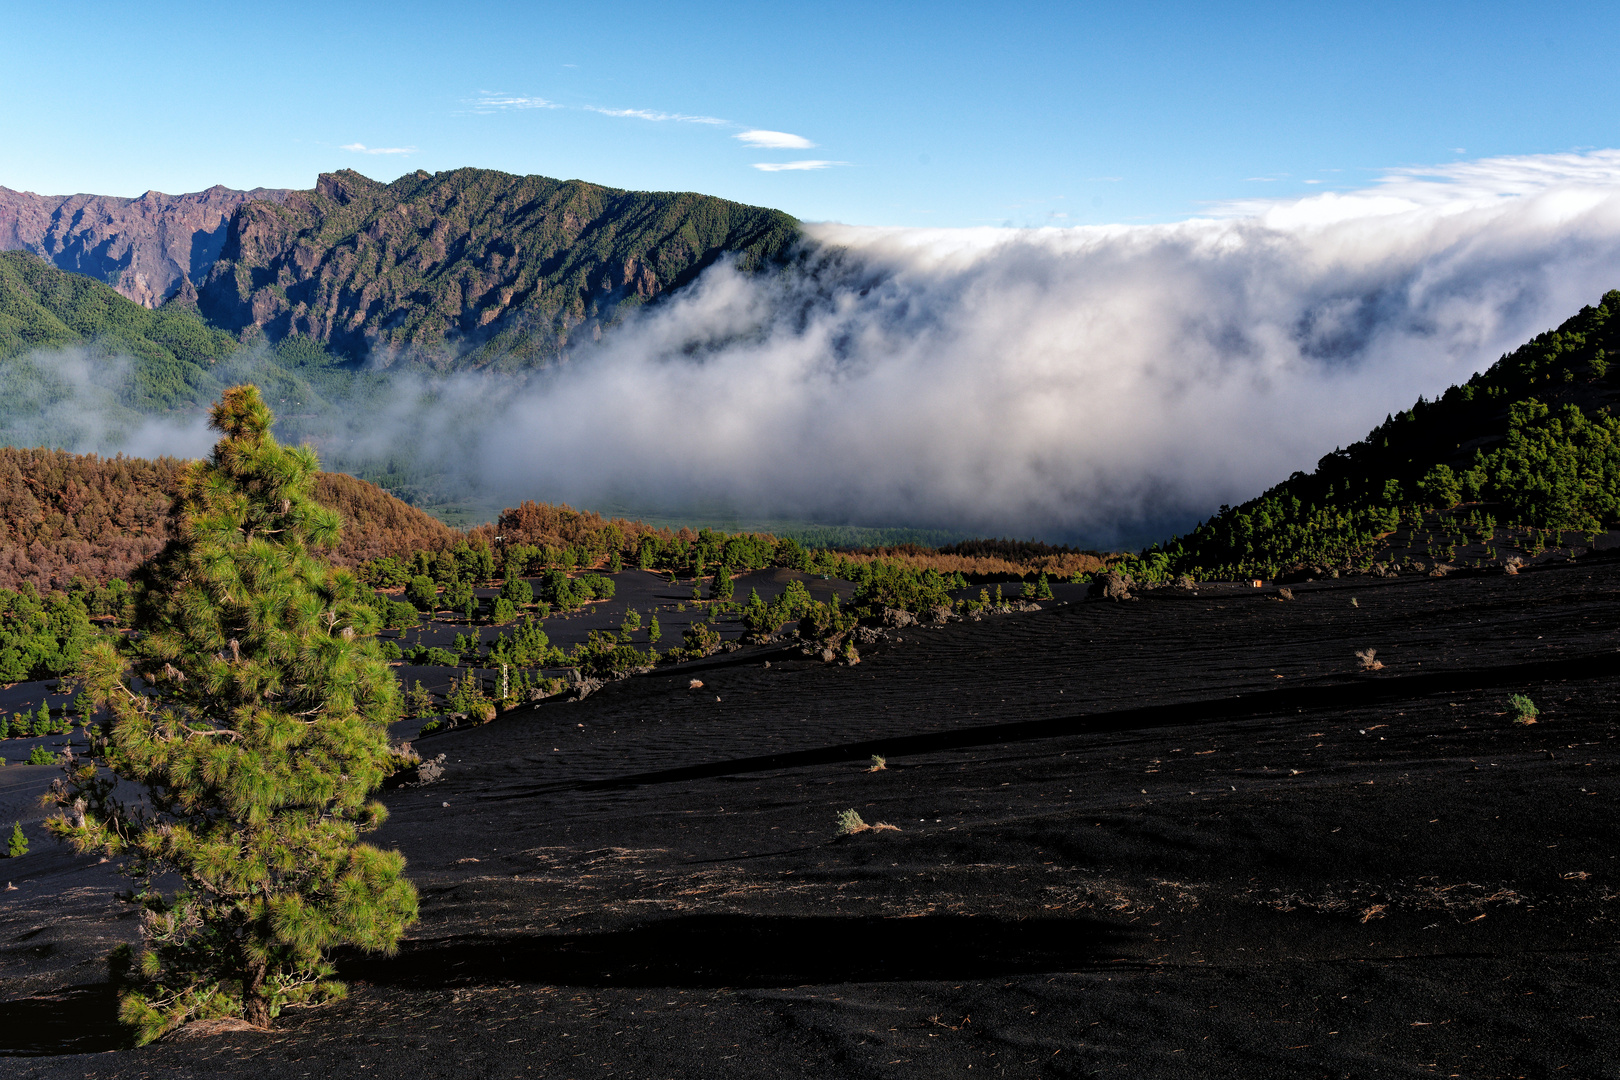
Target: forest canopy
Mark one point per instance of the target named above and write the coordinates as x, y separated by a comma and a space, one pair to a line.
1531, 442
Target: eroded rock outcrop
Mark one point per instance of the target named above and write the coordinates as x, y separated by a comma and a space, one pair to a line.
147, 248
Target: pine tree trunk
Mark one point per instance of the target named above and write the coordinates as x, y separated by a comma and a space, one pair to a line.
255, 1006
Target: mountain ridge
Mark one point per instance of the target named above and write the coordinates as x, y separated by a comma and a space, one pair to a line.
488, 265
148, 248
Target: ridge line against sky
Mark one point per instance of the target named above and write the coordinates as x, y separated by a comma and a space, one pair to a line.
893, 114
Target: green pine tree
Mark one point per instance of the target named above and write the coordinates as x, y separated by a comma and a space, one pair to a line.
722, 587
260, 736
18, 847
419, 702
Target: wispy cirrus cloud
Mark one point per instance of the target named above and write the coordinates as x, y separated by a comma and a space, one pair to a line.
362, 148
774, 140
795, 166
1457, 186
494, 101
652, 114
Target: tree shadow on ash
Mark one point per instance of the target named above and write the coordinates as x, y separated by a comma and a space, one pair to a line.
751, 951
78, 1020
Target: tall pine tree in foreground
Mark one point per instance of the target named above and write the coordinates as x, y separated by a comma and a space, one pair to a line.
252, 705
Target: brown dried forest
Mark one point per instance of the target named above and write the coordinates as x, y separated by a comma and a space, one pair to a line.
65, 515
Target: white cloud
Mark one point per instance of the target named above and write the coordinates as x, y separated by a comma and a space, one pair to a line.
795, 166
493, 101
1451, 188
774, 140
649, 114
1095, 383
362, 148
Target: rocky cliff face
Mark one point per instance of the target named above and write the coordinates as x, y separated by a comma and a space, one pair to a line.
499, 268
147, 248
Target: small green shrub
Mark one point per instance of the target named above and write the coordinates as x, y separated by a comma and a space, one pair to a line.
1524, 710
422, 593
41, 756
850, 823
401, 616
433, 656
722, 587
467, 696
596, 587
418, 701
18, 847
698, 642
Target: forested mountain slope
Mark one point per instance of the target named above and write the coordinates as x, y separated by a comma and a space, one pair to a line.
64, 515
42, 307
1530, 444
496, 266
147, 248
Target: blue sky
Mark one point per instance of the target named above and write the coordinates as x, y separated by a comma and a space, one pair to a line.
924, 114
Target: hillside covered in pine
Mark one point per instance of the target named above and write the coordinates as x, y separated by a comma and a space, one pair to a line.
492, 265
1512, 461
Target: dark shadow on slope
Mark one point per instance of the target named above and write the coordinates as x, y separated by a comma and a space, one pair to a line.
79, 1020
1353, 692
752, 951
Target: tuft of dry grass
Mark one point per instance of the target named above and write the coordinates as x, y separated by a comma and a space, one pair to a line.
1285, 594
695, 684
850, 824
1369, 660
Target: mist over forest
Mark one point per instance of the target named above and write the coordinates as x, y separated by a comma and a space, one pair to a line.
1105, 386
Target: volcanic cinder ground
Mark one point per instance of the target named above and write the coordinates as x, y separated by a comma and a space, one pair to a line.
1183, 836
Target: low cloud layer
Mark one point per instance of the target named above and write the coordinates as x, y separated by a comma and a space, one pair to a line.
1098, 384
1092, 383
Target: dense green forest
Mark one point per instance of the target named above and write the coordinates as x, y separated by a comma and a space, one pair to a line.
139, 361
1515, 458
171, 349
